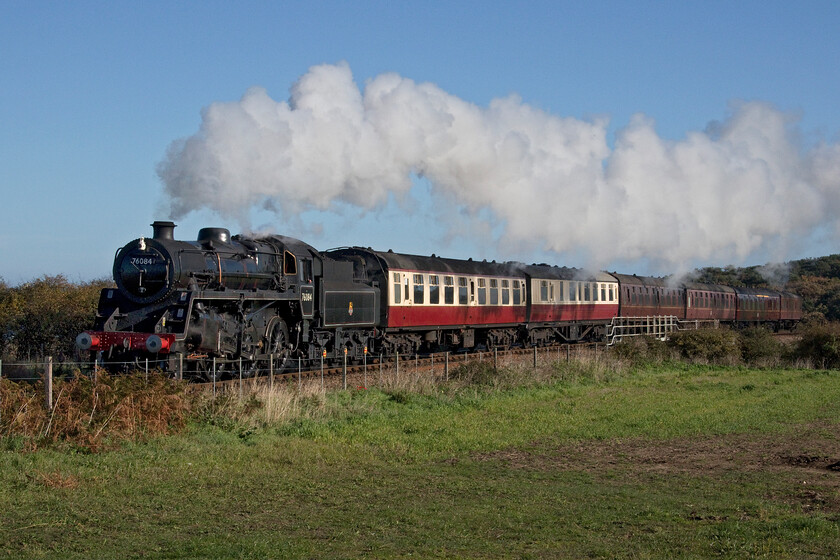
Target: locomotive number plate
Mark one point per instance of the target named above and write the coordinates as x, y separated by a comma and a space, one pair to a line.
138, 261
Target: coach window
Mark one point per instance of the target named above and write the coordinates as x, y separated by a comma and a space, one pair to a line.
516, 293
463, 294
603, 292
448, 290
482, 291
551, 291
586, 293
562, 295
543, 290
419, 288
407, 294
434, 290
505, 292
494, 292
397, 288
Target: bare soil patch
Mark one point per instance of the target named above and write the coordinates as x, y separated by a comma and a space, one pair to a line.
809, 457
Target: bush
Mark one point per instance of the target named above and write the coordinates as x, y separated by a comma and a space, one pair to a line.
707, 345
642, 350
758, 347
820, 344
42, 318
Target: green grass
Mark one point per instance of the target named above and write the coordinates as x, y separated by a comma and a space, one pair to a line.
565, 468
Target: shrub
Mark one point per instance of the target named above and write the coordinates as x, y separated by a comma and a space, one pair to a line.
708, 345
821, 345
42, 317
758, 347
642, 350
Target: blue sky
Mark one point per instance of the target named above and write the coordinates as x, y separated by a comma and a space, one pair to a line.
92, 94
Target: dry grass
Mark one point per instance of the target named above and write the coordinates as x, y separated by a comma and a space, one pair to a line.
260, 405
89, 413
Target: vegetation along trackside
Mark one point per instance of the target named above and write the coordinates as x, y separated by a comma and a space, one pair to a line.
635, 455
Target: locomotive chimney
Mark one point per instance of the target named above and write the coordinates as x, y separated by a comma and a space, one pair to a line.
163, 230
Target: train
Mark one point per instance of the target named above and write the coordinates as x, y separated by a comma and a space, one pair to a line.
264, 302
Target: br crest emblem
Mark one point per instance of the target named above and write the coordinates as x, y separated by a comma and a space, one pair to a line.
350, 310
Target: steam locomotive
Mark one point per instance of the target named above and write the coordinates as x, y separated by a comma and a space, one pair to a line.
264, 301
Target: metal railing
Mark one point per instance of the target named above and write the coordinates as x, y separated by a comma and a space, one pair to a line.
656, 326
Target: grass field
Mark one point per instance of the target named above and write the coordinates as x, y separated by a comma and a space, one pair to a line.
673, 461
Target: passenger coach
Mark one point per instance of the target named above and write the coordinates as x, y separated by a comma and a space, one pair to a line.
569, 305
433, 301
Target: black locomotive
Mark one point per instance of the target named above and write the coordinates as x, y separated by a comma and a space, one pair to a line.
181, 303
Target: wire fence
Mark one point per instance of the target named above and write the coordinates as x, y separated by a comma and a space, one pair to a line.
369, 372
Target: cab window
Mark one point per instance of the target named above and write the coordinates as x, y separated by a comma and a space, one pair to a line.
289, 264
306, 271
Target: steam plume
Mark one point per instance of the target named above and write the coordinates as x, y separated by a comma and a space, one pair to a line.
741, 186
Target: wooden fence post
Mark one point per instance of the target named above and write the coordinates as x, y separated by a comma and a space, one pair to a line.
48, 383
344, 370
446, 365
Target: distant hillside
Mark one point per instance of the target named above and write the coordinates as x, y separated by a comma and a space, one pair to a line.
816, 280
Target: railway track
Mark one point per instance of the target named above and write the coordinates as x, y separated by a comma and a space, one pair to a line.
438, 363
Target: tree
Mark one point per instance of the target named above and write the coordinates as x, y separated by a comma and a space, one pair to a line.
42, 317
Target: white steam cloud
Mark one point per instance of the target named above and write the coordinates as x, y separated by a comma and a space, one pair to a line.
741, 186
